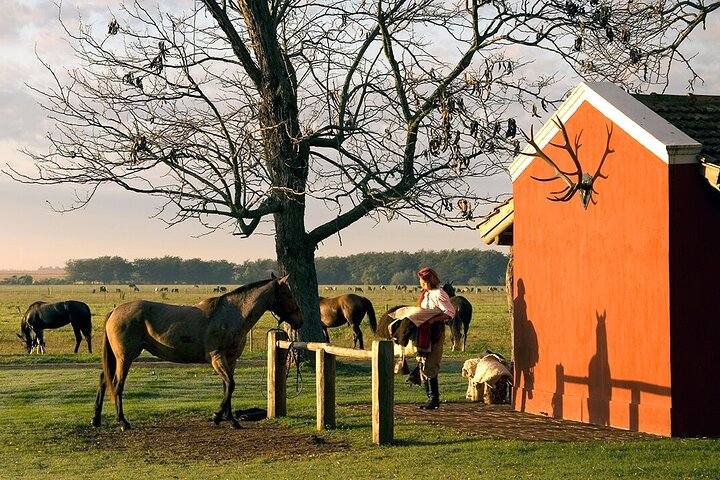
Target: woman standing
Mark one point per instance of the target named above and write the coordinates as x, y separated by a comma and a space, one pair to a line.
432, 298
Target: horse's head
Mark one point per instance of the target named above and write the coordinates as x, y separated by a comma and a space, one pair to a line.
449, 289
284, 305
25, 335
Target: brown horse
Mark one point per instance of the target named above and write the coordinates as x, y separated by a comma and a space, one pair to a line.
212, 331
350, 309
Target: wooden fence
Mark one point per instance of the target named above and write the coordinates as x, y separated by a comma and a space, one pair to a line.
383, 400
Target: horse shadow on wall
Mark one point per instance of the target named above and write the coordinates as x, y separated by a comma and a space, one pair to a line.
526, 349
600, 383
598, 380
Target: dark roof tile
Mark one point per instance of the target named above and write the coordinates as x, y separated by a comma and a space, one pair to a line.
696, 115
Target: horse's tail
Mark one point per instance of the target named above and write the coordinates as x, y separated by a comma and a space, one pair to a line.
370, 313
109, 362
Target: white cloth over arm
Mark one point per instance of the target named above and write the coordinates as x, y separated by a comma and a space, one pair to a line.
434, 303
416, 315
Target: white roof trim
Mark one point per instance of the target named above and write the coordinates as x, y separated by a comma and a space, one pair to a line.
660, 137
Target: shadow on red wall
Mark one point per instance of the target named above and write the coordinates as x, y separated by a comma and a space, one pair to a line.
600, 384
526, 349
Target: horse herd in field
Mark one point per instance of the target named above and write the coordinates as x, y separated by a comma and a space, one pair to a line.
346, 309
213, 331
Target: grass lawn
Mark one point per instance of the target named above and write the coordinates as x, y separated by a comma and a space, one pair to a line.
46, 404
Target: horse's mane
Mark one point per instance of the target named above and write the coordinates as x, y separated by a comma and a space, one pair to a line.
33, 307
244, 288
214, 302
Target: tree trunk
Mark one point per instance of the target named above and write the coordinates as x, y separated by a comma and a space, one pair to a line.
286, 158
509, 285
296, 257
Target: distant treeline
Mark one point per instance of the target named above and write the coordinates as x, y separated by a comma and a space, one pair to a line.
464, 267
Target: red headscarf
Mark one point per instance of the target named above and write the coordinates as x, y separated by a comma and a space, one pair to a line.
430, 276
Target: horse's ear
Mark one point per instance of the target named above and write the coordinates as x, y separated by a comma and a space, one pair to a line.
283, 279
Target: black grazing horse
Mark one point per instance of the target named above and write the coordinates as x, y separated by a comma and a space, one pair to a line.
461, 321
42, 315
350, 309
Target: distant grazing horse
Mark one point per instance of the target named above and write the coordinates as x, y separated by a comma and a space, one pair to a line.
350, 309
41, 316
461, 321
213, 331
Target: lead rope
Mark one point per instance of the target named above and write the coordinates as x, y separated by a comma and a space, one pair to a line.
292, 357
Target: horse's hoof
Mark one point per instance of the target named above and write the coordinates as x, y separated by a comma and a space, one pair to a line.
216, 418
96, 422
235, 423
124, 426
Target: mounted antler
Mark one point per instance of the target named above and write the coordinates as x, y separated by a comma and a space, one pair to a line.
584, 181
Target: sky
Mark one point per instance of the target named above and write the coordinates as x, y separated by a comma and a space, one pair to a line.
120, 223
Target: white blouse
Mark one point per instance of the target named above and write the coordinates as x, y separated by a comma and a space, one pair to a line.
438, 299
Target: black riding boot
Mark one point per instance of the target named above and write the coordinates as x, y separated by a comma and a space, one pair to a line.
414, 376
433, 394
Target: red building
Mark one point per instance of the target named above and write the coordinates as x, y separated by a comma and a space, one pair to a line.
614, 317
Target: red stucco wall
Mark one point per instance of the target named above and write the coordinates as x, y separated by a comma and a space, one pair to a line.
592, 302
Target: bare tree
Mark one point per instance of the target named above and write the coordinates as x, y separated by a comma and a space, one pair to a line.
243, 113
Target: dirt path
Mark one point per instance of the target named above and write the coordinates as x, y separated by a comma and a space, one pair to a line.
501, 422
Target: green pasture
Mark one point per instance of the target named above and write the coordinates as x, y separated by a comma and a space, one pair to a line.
489, 327
46, 405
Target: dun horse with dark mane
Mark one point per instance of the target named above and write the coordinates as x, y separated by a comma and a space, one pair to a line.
42, 316
350, 309
212, 331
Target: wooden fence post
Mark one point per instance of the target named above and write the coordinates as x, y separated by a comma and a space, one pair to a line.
383, 393
325, 389
276, 375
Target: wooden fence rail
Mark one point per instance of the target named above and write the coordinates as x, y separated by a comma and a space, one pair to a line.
383, 399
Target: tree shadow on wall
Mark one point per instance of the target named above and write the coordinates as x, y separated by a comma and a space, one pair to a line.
526, 350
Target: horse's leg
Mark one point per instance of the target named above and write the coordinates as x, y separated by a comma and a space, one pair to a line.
78, 337
99, 401
40, 342
358, 336
327, 334
219, 363
121, 370
465, 336
86, 330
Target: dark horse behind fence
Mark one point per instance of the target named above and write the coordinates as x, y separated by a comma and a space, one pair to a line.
42, 315
350, 309
460, 323
213, 331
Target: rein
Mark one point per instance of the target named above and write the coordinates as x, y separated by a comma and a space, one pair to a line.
292, 357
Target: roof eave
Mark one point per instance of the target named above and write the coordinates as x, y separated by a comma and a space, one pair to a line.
663, 139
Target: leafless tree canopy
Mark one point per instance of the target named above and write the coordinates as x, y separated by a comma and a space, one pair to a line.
236, 112
399, 104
